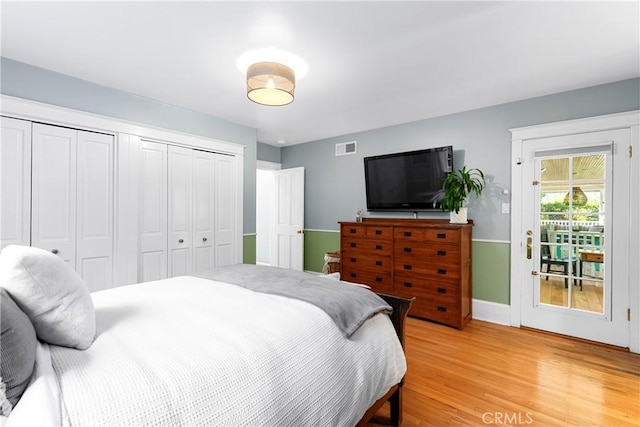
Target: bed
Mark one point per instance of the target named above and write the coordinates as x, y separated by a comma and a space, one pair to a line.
239, 345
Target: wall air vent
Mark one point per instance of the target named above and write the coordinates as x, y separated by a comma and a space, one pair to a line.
344, 148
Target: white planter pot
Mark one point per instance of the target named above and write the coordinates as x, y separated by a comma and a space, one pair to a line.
459, 217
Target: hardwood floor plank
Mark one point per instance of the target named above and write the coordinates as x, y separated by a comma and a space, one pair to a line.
498, 375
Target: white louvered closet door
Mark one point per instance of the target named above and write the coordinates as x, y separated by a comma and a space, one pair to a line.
53, 209
203, 203
15, 182
153, 211
95, 203
180, 211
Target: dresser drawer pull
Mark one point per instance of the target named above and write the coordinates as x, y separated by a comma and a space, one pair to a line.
353, 275
378, 262
378, 279
442, 271
441, 235
353, 259
378, 247
408, 284
407, 267
442, 308
441, 253
353, 230
378, 232
407, 234
442, 290
408, 250
353, 244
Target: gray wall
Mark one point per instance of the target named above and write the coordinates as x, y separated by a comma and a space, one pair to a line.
334, 186
269, 153
25, 81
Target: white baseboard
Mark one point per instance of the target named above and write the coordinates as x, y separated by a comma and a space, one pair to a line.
492, 312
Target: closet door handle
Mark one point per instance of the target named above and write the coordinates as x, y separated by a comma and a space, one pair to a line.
181, 241
54, 251
204, 239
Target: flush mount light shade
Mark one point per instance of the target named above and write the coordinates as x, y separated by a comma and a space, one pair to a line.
270, 83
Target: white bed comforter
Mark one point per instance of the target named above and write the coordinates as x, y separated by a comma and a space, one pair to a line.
190, 351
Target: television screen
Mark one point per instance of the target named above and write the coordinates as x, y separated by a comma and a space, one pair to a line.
410, 181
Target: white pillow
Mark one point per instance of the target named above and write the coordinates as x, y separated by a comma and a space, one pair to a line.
52, 295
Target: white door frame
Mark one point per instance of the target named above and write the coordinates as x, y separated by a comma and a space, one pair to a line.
629, 120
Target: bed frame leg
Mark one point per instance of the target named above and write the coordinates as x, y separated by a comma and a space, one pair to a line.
395, 402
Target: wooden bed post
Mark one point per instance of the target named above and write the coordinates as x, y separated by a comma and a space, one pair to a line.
400, 307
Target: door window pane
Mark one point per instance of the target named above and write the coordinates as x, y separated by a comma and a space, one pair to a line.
571, 223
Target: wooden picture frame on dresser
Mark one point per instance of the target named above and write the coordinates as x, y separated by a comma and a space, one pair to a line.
429, 259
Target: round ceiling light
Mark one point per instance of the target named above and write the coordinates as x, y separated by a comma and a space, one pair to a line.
270, 83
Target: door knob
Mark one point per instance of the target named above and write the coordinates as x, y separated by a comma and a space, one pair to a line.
204, 239
54, 251
529, 244
181, 241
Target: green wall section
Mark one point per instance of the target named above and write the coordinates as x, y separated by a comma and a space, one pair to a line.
491, 271
316, 243
490, 263
249, 249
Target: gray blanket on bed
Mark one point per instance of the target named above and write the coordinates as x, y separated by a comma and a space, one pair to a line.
349, 306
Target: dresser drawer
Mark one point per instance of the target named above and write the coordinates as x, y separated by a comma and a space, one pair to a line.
356, 260
436, 253
411, 234
379, 281
353, 230
433, 235
371, 247
426, 286
442, 308
380, 233
449, 271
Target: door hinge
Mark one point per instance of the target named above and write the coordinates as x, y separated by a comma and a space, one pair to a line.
534, 273
630, 150
535, 183
629, 314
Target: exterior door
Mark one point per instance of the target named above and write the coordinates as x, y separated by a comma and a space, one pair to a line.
153, 211
575, 221
53, 204
288, 249
15, 182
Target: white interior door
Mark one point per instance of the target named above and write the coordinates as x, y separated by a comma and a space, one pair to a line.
15, 182
575, 223
153, 211
225, 215
53, 204
95, 181
180, 213
288, 217
203, 203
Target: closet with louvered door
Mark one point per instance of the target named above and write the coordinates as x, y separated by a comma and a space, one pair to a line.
69, 203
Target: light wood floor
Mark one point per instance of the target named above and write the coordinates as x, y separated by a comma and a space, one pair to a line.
553, 292
496, 375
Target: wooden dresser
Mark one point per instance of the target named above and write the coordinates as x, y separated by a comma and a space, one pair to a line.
429, 259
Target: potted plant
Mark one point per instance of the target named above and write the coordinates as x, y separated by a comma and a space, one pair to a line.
457, 187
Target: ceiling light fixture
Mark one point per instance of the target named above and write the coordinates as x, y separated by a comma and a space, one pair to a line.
270, 83
578, 199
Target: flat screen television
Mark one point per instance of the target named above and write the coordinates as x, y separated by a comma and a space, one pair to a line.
410, 181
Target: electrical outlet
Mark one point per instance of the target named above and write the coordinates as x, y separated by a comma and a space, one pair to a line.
505, 208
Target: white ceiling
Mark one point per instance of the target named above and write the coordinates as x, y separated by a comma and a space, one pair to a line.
371, 64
